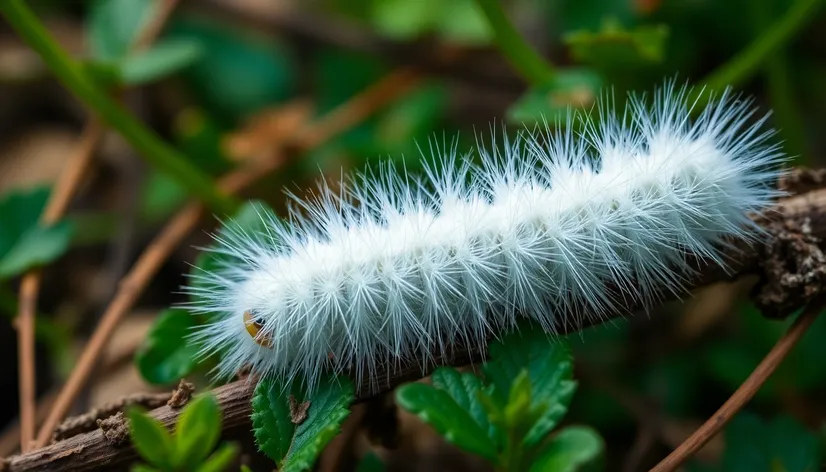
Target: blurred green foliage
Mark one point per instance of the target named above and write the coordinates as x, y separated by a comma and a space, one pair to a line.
192, 447
24, 243
224, 74
507, 416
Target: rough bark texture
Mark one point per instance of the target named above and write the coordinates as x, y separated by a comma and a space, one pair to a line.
790, 265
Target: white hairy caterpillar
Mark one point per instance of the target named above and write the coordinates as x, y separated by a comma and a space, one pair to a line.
395, 271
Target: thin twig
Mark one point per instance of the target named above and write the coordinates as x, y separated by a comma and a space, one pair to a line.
743, 394
59, 199
55, 208
360, 107
159, 250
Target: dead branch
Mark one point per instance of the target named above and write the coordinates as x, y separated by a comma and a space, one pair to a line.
744, 393
92, 451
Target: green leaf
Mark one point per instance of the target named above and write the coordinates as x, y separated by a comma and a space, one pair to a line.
588, 14
473, 29
161, 195
410, 19
296, 448
574, 449
36, 247
23, 243
570, 88
370, 463
197, 432
329, 407
781, 444
143, 468
464, 388
201, 138
438, 409
221, 459
113, 25
614, 47
152, 441
549, 366
165, 356
163, 59
241, 73
522, 412
405, 19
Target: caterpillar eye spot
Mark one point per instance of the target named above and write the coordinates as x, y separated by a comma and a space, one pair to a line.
254, 327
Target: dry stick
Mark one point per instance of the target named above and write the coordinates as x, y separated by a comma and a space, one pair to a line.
91, 451
9, 437
743, 394
58, 201
340, 119
65, 188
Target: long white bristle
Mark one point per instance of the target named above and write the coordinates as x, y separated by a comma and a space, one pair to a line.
554, 227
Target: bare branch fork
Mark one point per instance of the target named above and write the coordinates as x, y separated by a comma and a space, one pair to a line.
805, 211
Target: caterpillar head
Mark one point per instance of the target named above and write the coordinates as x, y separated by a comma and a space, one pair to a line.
255, 325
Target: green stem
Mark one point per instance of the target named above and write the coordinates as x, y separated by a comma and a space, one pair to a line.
781, 92
513, 45
157, 152
745, 64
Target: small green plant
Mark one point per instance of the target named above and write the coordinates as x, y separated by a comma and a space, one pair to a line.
292, 428
507, 416
189, 448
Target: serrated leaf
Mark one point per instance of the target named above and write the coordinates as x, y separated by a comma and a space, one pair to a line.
406, 19
23, 243
438, 409
550, 369
149, 437
165, 356
573, 449
464, 388
296, 448
162, 59
570, 89
271, 423
197, 432
113, 25
781, 444
329, 407
221, 459
612, 46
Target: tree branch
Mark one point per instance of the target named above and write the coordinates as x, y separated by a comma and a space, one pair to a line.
92, 451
